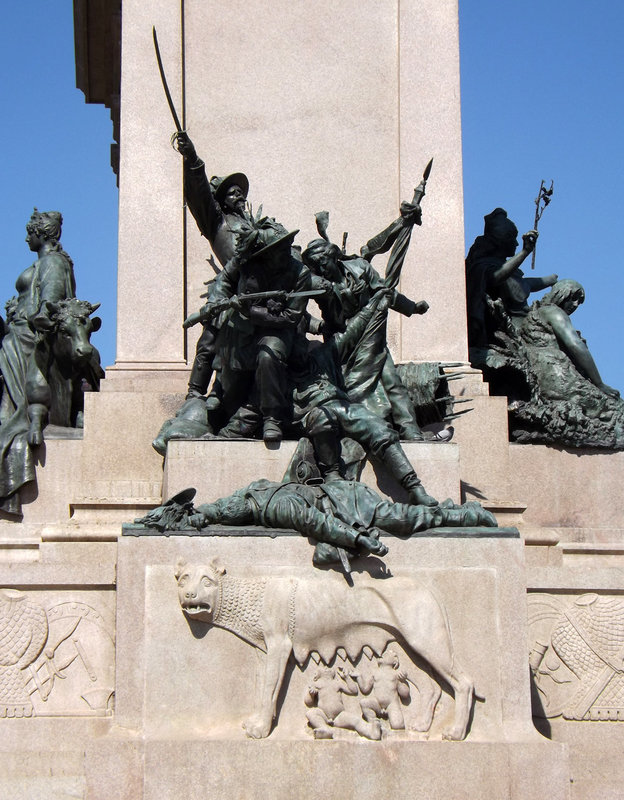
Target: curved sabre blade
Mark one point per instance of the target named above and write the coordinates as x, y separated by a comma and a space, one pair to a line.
164, 82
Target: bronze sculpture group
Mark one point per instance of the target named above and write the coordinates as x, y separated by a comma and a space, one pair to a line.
46, 358
532, 354
255, 319
271, 380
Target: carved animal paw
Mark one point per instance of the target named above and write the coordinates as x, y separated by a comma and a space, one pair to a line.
257, 728
420, 725
455, 734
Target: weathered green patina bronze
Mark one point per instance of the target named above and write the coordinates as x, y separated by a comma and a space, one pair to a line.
369, 372
533, 354
220, 211
339, 515
255, 317
493, 273
46, 358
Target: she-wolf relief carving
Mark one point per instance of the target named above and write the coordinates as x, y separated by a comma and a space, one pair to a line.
54, 661
577, 656
328, 622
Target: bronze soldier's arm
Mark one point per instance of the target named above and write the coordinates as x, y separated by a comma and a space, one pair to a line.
197, 191
410, 215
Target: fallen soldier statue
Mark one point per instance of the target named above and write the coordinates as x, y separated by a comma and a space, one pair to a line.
339, 515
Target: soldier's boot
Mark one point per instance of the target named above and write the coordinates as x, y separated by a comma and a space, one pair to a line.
327, 454
404, 417
272, 431
201, 373
409, 432
215, 396
401, 405
398, 465
470, 514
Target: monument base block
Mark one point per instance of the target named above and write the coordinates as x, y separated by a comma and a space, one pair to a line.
188, 690
308, 770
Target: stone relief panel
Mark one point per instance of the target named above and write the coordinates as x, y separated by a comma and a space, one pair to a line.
577, 656
346, 638
57, 654
371, 696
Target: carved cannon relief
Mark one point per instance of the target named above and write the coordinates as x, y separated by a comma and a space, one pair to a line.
54, 660
333, 630
577, 656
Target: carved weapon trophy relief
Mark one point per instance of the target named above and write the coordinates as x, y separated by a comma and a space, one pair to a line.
577, 656
58, 661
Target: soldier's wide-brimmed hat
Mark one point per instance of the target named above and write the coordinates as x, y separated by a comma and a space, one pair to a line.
317, 246
220, 186
263, 238
181, 498
274, 239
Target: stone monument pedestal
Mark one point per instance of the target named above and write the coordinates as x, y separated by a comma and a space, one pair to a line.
124, 697
185, 688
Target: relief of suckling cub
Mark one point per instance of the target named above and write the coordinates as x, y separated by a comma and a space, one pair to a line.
283, 615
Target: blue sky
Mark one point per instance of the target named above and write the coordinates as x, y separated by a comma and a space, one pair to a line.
55, 155
541, 98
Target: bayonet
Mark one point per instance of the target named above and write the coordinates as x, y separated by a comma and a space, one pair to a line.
211, 310
344, 560
419, 191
